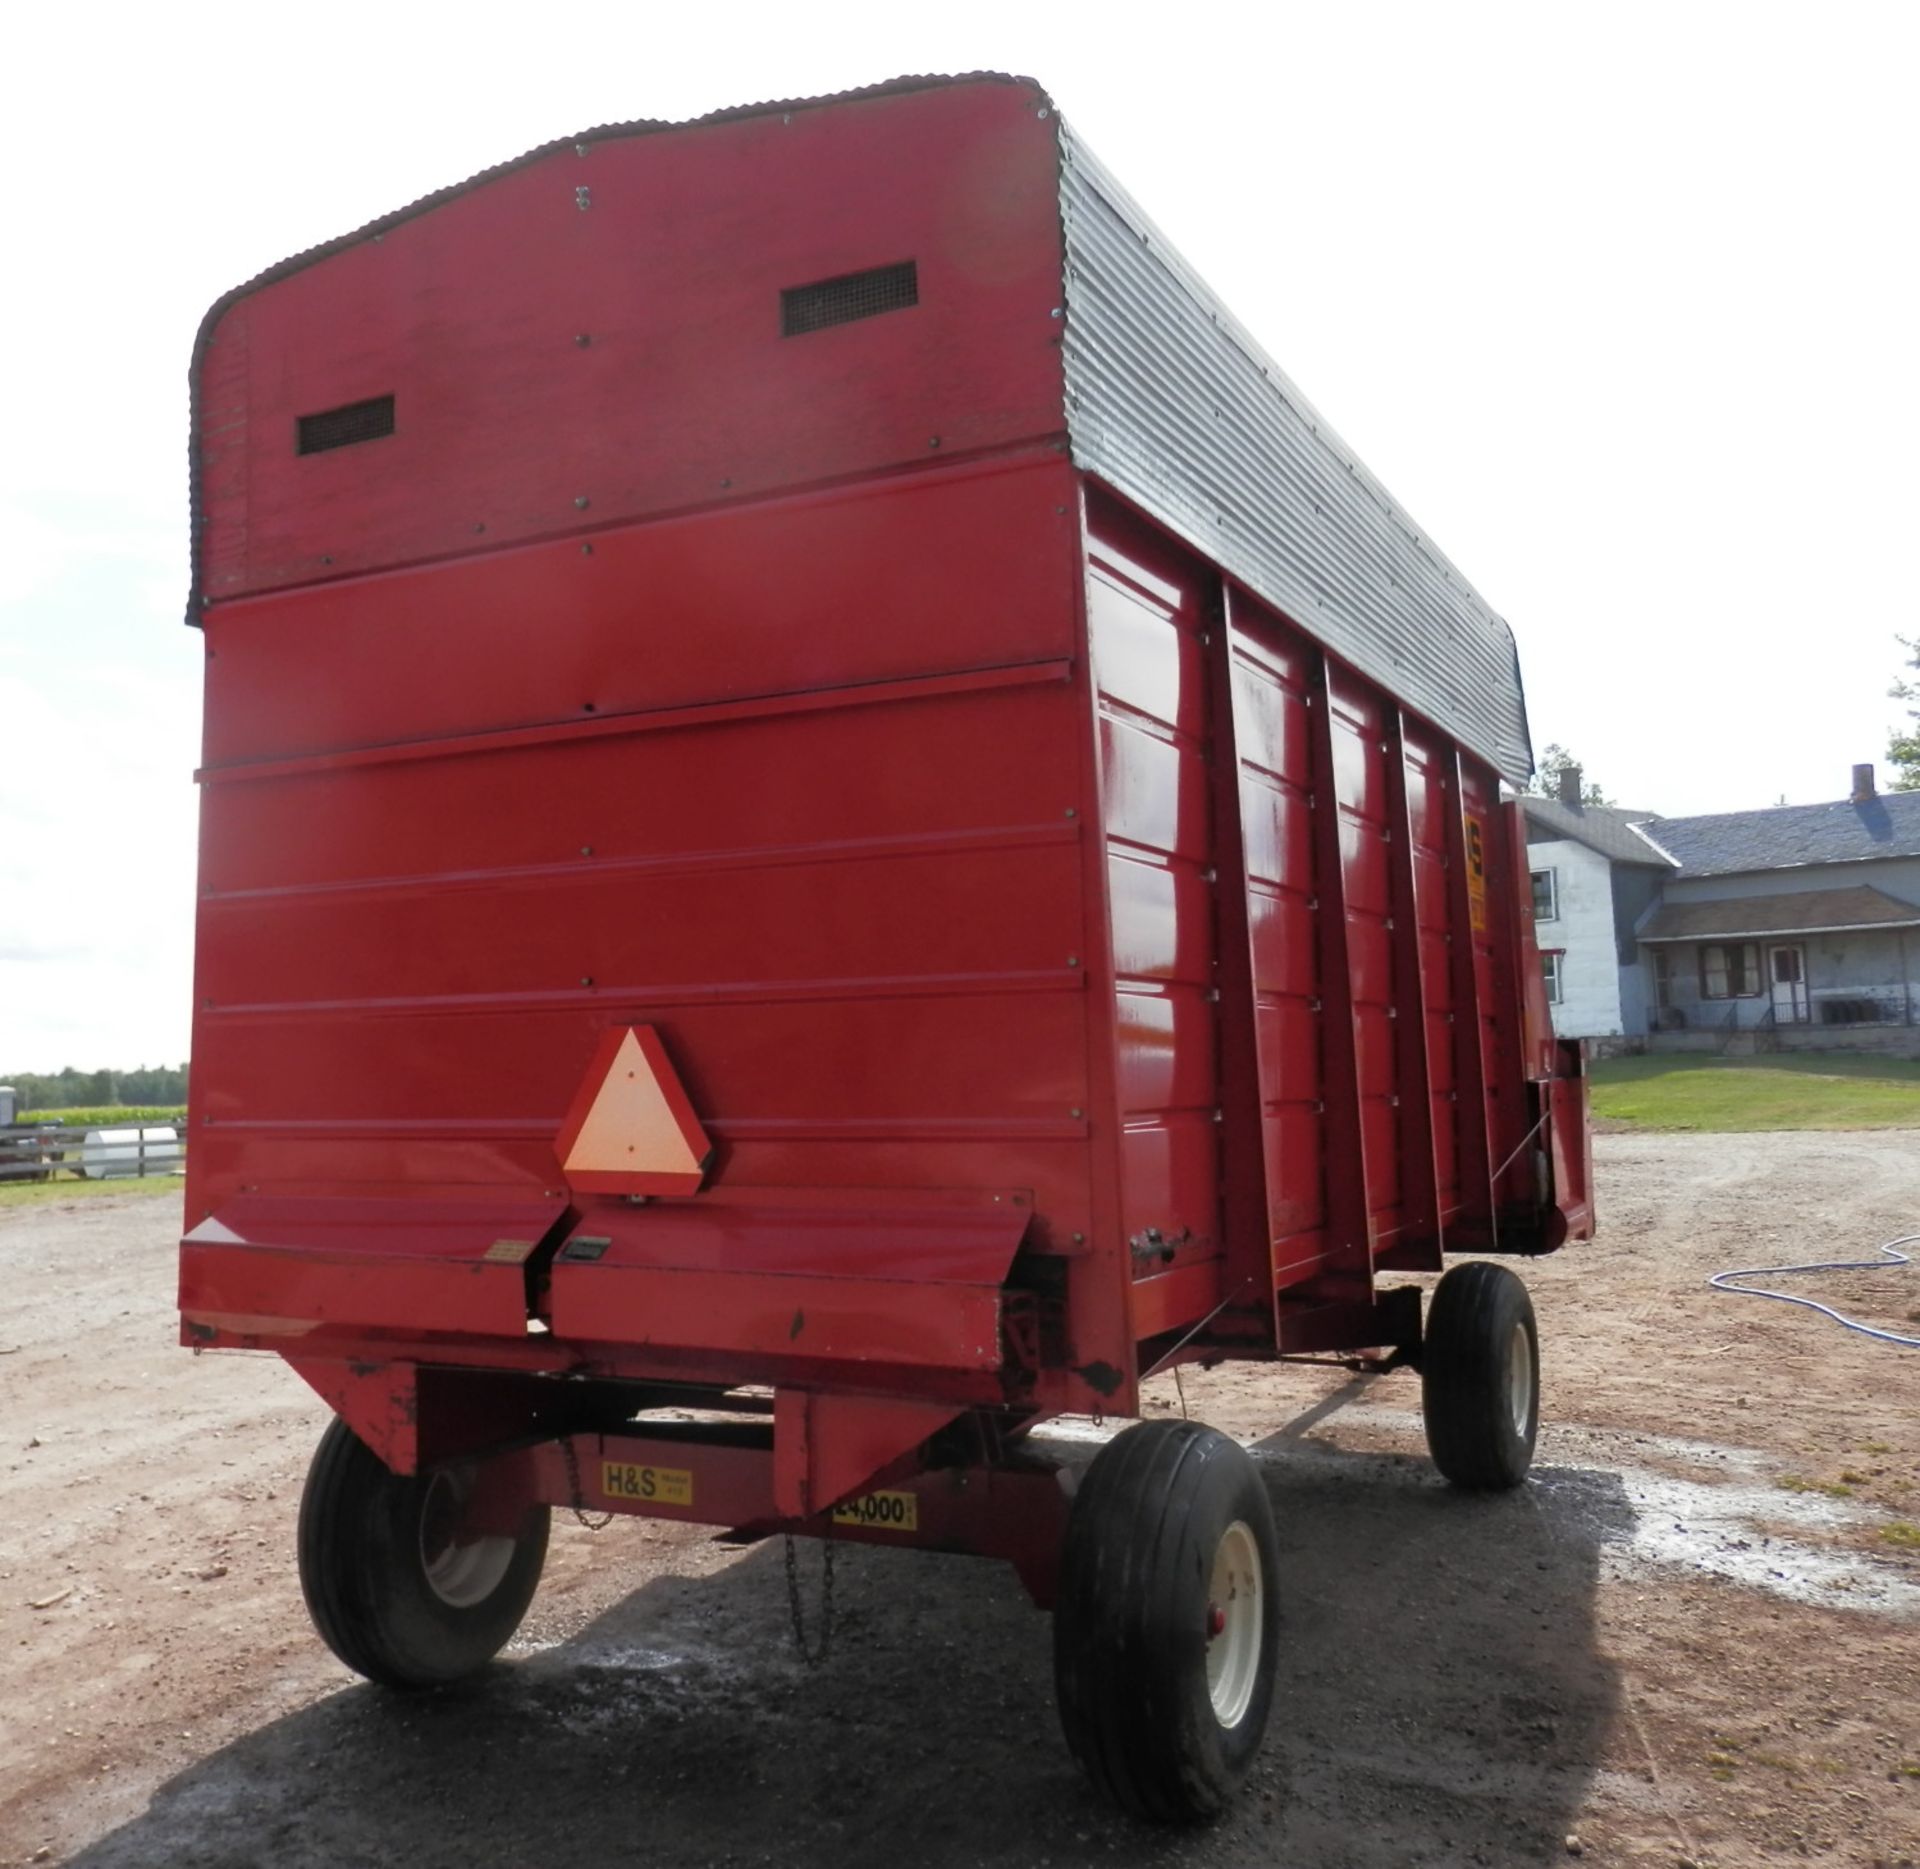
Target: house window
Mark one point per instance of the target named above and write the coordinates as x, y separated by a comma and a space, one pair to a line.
1550, 959
1729, 970
1546, 897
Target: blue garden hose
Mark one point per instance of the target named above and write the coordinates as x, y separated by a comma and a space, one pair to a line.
1723, 1281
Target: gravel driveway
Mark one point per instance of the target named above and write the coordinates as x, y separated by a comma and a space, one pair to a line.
1690, 1639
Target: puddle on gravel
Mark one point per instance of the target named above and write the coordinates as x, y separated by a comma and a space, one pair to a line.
1727, 1525
1737, 1524
1732, 1531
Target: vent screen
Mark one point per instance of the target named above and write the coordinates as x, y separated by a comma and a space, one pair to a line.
851, 296
341, 428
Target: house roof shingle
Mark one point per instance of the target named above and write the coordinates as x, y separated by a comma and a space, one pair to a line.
1811, 911
1600, 827
1730, 842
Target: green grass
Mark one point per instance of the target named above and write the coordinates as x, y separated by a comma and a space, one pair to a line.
1808, 1090
1796, 1483
1906, 1534
104, 1116
41, 1193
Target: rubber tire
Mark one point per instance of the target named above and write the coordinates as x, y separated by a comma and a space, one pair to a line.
365, 1584
1129, 1623
1465, 1382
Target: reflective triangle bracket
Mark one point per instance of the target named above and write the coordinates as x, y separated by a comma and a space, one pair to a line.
632, 1129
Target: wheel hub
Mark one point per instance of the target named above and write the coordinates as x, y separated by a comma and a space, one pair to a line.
460, 1568
1235, 1614
1520, 1379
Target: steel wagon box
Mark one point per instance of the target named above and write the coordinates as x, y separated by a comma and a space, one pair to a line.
835, 823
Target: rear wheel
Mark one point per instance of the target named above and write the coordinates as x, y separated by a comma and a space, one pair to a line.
1166, 1629
1480, 1377
401, 1585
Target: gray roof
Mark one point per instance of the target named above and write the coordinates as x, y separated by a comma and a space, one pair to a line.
1730, 842
1812, 911
1604, 828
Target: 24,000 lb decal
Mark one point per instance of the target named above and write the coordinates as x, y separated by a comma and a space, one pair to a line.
897, 1512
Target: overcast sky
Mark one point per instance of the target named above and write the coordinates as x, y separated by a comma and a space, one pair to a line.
1618, 301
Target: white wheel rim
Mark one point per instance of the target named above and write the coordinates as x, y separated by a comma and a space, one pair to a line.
1520, 1380
1235, 1612
459, 1574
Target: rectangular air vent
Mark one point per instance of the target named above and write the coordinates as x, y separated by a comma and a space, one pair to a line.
852, 295
341, 428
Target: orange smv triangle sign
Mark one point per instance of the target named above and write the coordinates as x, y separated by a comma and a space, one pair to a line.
632, 1129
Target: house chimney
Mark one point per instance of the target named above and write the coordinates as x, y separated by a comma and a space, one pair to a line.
1570, 786
1862, 784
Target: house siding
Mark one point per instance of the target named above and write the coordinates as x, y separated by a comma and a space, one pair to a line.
1843, 970
1583, 929
1863, 964
1697, 1011
1857, 965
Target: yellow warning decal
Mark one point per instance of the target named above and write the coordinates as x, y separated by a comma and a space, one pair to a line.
658, 1486
886, 1512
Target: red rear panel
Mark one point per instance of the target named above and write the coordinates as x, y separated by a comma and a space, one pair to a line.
850, 906
597, 334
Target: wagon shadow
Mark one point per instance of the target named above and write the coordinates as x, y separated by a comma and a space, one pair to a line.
1441, 1700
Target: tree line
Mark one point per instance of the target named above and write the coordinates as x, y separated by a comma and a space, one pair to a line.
156, 1085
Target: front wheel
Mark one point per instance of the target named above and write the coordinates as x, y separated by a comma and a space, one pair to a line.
1480, 1377
399, 1584
1166, 1630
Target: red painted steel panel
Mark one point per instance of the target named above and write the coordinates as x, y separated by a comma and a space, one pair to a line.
1147, 609
1337, 1140
915, 1286
379, 1401
288, 1264
828, 1447
725, 604
1166, 1051
629, 359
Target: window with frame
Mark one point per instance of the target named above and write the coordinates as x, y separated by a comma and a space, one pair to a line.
1550, 959
1730, 970
1546, 896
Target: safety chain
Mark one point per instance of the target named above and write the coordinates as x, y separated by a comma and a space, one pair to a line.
811, 1656
573, 1486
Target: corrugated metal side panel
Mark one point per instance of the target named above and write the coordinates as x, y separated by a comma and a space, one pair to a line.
1172, 403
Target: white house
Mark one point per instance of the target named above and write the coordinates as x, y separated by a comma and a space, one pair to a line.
1798, 926
1594, 876
1802, 922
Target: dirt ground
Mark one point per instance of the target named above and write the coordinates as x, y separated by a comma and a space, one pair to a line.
1688, 1640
